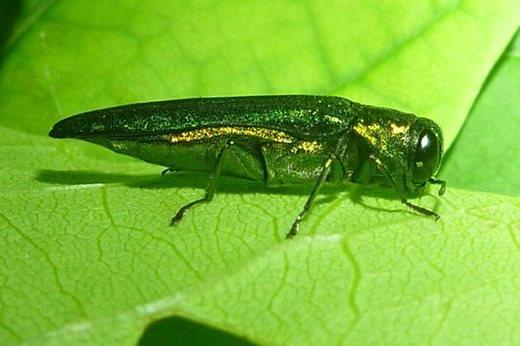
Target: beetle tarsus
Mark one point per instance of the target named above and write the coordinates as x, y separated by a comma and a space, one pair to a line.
175, 220
422, 210
168, 170
294, 228
180, 213
441, 182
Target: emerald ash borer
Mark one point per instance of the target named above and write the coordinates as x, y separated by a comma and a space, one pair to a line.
283, 139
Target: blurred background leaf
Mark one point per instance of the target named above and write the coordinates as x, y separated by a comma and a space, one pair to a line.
486, 155
9, 13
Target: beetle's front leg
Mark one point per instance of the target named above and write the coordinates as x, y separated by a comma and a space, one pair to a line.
433, 180
412, 206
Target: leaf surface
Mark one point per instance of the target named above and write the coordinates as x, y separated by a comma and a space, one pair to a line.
86, 252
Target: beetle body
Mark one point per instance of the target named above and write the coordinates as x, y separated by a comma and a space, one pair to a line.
286, 139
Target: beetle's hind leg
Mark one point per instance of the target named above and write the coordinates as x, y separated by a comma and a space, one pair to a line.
168, 170
210, 189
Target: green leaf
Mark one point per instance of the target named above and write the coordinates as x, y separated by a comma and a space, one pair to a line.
486, 156
85, 249
424, 57
91, 261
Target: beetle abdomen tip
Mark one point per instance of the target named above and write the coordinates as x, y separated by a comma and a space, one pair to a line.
74, 127
61, 129
55, 133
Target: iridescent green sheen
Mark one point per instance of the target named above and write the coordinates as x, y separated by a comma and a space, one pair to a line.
301, 115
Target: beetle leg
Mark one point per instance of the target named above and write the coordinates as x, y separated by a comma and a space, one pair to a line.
412, 206
441, 182
339, 152
168, 170
421, 210
265, 172
256, 152
325, 170
210, 189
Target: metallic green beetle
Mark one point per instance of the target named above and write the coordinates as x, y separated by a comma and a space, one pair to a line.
281, 139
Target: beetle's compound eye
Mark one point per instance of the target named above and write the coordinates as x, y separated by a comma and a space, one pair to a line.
426, 158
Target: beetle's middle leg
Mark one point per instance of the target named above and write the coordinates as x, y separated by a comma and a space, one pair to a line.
325, 170
210, 189
338, 154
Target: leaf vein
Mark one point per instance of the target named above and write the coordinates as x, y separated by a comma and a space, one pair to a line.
51, 264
